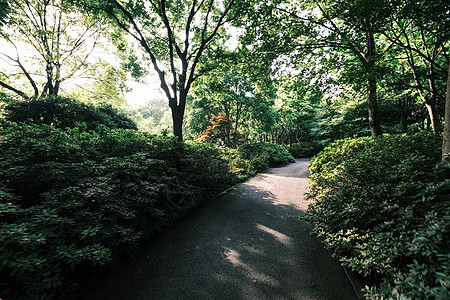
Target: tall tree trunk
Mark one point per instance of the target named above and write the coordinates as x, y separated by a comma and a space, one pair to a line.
372, 106
431, 105
446, 139
177, 120
178, 109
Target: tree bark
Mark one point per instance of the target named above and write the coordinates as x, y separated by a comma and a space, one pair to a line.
431, 105
177, 117
372, 105
446, 139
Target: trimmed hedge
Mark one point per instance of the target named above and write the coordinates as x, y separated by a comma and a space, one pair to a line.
383, 207
75, 202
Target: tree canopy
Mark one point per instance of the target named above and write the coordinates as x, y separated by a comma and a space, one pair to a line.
298, 70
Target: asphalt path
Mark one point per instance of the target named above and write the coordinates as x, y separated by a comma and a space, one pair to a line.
248, 243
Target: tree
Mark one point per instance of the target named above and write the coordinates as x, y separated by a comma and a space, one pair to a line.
219, 132
297, 28
227, 92
175, 35
56, 39
420, 31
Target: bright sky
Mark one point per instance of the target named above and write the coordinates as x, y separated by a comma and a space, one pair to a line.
143, 92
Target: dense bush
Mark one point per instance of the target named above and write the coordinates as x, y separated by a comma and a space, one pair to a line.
305, 149
382, 205
73, 201
258, 157
63, 112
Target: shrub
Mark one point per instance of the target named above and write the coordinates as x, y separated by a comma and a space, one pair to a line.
305, 149
258, 157
74, 201
63, 112
382, 206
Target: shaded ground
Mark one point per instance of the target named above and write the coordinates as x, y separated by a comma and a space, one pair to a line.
246, 244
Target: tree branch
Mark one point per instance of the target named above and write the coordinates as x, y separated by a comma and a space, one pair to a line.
18, 92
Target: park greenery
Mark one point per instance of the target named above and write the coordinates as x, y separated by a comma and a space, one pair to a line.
362, 86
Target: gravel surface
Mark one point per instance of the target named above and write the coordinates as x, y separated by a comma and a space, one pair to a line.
247, 243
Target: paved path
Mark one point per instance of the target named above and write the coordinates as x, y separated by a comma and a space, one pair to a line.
246, 244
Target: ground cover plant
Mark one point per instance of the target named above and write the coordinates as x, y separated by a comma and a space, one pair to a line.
382, 205
74, 201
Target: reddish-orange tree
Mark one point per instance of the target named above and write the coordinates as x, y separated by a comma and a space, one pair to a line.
219, 132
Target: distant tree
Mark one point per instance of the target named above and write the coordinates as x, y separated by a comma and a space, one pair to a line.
219, 132
153, 116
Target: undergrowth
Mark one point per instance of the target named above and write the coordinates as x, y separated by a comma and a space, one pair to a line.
383, 207
74, 202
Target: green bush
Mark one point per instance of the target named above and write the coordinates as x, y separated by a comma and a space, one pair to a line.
63, 112
258, 157
305, 149
74, 201
382, 206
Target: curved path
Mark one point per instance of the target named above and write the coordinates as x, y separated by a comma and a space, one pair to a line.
246, 244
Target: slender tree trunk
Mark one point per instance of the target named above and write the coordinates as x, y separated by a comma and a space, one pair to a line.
404, 108
431, 105
446, 139
428, 101
372, 106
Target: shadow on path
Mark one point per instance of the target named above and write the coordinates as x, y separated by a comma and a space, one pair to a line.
247, 244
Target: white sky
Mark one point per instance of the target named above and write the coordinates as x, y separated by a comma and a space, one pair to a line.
143, 92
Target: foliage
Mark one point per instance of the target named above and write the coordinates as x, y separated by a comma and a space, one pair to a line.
229, 88
152, 116
305, 149
73, 202
46, 43
382, 206
63, 112
219, 132
259, 157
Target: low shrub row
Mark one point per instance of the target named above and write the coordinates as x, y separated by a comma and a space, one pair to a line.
305, 149
257, 157
74, 202
383, 207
